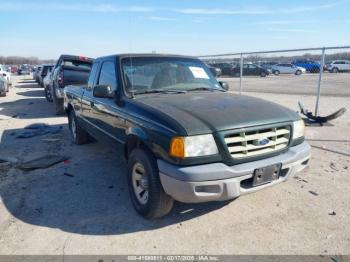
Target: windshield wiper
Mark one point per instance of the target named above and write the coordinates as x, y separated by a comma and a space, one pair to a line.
206, 89
155, 91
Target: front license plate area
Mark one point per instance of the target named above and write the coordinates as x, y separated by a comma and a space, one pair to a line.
266, 174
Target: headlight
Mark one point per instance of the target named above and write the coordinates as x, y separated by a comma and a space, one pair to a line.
192, 146
298, 129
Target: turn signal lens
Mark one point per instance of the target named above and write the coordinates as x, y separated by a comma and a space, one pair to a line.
177, 147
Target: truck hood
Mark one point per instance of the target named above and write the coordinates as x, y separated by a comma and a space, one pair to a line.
206, 112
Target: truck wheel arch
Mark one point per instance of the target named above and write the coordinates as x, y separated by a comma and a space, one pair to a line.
136, 138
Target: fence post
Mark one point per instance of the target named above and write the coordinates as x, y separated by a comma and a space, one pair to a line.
240, 74
319, 81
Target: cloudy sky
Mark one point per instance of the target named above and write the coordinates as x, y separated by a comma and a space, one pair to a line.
93, 28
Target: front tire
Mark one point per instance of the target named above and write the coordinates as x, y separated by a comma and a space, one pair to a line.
335, 70
79, 135
298, 72
145, 188
276, 72
263, 74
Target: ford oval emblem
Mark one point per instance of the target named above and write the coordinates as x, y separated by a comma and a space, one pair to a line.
263, 141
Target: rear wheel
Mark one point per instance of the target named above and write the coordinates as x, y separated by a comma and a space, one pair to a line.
48, 95
79, 135
145, 188
58, 103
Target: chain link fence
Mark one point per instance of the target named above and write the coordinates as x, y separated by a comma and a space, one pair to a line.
296, 72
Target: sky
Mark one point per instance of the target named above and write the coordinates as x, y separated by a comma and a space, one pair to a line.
93, 28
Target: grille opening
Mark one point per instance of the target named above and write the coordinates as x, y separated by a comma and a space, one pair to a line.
256, 142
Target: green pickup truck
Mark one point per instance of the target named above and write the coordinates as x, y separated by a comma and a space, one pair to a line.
183, 135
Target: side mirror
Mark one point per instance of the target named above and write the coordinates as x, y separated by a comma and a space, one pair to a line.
224, 85
3, 74
103, 91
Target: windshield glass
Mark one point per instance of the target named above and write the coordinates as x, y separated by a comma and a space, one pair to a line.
144, 74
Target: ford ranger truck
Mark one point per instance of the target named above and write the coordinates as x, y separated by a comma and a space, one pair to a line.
184, 136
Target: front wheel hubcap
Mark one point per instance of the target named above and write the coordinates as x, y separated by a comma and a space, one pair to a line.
140, 183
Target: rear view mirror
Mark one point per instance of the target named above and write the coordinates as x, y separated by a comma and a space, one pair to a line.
103, 91
224, 85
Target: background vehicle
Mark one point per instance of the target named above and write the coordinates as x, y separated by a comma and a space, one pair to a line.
5, 74
287, 69
215, 70
250, 70
23, 70
184, 136
4, 87
339, 66
69, 70
226, 68
42, 74
46, 84
309, 65
36, 73
14, 69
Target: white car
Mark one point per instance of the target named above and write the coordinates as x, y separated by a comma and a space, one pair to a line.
4, 87
287, 68
5, 74
339, 66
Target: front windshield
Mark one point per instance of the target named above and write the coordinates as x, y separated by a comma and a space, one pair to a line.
147, 74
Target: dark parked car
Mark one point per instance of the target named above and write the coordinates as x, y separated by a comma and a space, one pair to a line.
42, 73
250, 70
69, 70
184, 136
226, 68
215, 70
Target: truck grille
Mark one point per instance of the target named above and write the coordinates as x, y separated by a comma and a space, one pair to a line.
257, 142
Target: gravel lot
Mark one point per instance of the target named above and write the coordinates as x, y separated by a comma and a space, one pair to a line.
306, 84
46, 212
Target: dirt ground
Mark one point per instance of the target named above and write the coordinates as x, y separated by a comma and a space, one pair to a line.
89, 211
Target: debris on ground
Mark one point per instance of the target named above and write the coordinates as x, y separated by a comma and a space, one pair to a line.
332, 213
332, 165
39, 129
42, 162
68, 174
50, 139
313, 193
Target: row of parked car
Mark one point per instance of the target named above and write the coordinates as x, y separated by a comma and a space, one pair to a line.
297, 67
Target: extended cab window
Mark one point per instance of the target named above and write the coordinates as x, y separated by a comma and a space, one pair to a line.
107, 75
93, 75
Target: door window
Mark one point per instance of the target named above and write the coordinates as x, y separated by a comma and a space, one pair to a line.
107, 75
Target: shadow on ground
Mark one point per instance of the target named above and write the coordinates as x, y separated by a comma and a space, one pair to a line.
88, 195
32, 93
33, 107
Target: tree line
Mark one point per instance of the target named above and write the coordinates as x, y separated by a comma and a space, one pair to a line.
18, 60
